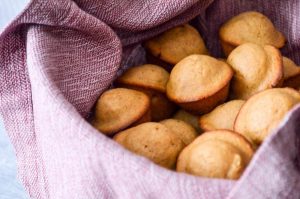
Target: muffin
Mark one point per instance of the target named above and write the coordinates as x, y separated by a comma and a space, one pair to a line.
216, 154
150, 79
154, 141
119, 108
222, 117
252, 27
188, 118
198, 83
176, 44
263, 112
256, 68
291, 74
182, 129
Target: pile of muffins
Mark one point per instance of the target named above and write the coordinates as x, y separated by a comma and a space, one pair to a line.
201, 115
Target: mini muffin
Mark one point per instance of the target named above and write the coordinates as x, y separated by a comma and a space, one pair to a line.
152, 80
154, 141
198, 83
182, 129
188, 118
176, 44
263, 112
251, 27
147, 76
119, 108
256, 69
222, 117
291, 74
216, 154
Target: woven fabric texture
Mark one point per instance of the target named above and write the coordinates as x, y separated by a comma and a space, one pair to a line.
58, 56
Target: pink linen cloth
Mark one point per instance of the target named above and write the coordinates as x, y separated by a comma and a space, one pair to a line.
58, 56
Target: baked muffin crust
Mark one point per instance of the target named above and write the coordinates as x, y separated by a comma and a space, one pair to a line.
182, 129
198, 83
222, 117
119, 108
216, 154
176, 44
256, 68
251, 27
154, 141
264, 111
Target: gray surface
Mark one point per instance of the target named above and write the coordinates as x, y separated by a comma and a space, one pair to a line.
10, 187
9, 9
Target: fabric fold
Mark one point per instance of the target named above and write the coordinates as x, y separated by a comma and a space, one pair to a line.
58, 56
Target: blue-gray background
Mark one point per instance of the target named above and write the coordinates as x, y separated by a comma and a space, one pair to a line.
10, 187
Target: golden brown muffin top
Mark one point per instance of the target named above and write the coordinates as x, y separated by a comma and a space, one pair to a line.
188, 118
147, 76
222, 117
118, 108
255, 68
176, 44
290, 68
264, 111
154, 141
217, 154
251, 27
197, 77
182, 129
